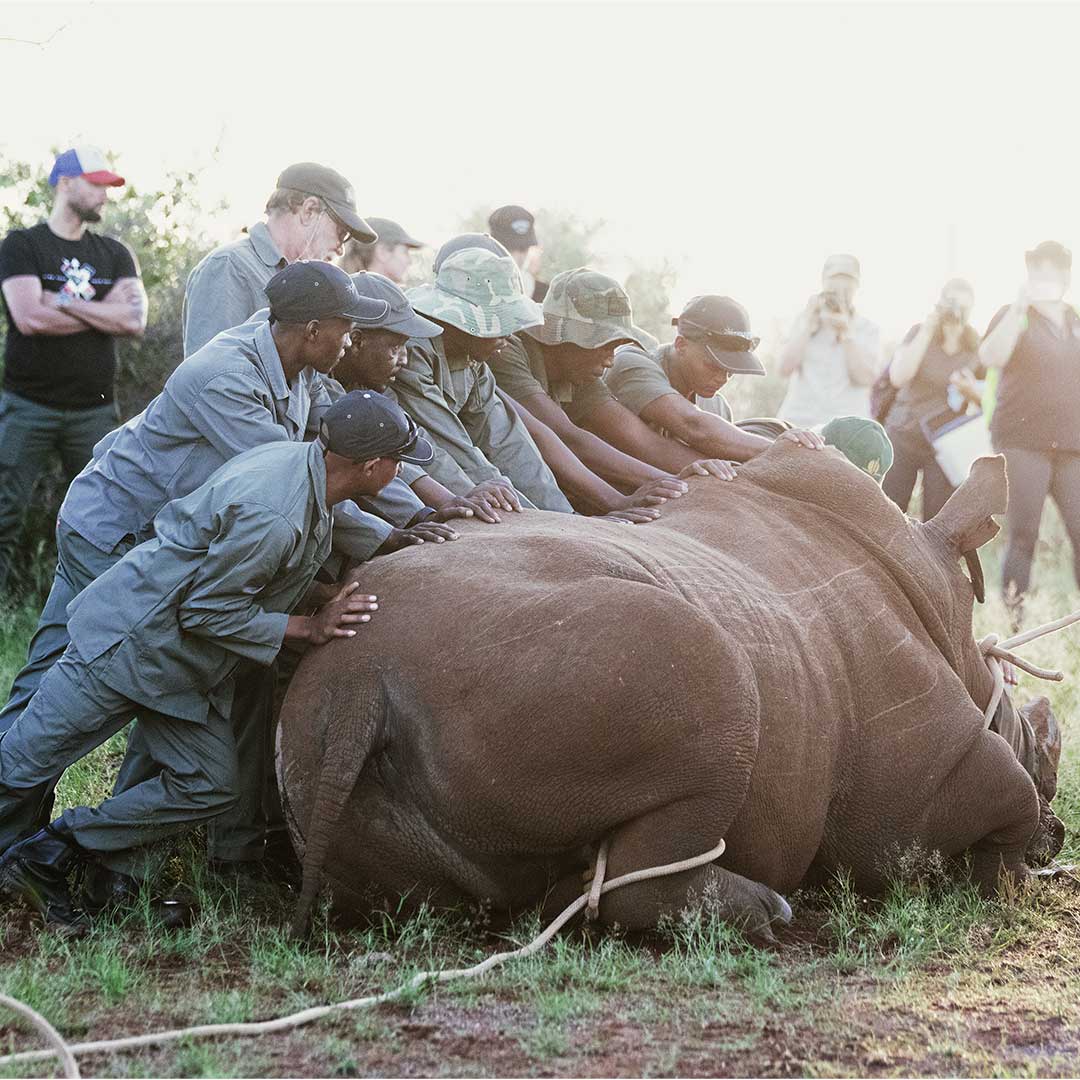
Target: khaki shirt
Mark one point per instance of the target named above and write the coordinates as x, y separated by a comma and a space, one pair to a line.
226, 288
520, 371
473, 426
170, 621
638, 378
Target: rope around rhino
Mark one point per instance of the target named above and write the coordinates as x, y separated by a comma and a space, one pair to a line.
66, 1051
995, 651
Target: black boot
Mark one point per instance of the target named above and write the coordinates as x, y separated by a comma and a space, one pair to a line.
36, 870
108, 891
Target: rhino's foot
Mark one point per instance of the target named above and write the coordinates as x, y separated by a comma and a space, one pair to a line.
749, 905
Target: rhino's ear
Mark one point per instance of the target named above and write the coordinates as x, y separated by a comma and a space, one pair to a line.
966, 520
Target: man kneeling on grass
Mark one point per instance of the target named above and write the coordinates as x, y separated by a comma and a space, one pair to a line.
159, 635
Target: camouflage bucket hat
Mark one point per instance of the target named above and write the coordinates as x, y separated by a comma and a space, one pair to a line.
480, 293
589, 310
863, 442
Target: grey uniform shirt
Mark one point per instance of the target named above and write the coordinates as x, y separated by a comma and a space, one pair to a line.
226, 288
168, 624
229, 397
474, 427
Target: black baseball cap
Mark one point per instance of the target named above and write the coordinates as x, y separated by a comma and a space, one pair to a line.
468, 240
1050, 251
513, 227
329, 185
390, 233
365, 424
303, 291
722, 325
401, 318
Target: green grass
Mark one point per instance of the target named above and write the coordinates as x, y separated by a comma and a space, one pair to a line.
929, 978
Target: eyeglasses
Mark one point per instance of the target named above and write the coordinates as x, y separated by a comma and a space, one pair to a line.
733, 341
343, 230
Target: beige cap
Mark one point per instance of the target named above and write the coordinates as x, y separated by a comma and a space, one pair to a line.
841, 264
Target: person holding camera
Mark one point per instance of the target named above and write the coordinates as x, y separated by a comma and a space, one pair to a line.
1035, 343
935, 369
833, 353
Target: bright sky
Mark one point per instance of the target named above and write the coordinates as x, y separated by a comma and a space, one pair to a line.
743, 142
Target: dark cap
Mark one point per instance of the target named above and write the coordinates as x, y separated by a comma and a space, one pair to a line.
513, 227
1050, 251
365, 424
389, 233
401, 318
303, 291
723, 326
330, 186
468, 240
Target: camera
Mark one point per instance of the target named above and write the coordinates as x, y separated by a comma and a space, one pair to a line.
833, 303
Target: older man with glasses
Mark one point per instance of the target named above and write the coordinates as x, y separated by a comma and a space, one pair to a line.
311, 215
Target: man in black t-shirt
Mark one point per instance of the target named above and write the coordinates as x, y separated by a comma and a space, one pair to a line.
69, 293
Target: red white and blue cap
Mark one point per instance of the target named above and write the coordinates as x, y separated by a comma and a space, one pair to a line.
85, 161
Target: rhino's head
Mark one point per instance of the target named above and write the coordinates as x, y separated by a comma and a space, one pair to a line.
962, 526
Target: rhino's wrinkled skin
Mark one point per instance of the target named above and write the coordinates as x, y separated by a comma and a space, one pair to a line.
784, 661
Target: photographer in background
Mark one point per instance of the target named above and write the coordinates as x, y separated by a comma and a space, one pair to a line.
1035, 341
833, 353
933, 369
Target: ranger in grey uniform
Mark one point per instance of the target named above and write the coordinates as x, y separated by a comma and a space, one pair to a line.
259, 383
310, 215
449, 389
160, 635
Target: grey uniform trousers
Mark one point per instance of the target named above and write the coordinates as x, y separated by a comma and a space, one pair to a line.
73, 712
29, 435
237, 835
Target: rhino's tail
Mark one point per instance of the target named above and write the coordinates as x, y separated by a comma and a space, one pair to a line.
351, 726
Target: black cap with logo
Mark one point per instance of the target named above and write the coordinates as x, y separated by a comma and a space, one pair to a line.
329, 185
723, 326
303, 291
365, 424
513, 227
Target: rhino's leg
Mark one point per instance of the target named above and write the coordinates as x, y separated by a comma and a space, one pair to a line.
987, 805
674, 833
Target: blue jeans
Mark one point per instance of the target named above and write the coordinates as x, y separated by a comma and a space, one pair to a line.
29, 435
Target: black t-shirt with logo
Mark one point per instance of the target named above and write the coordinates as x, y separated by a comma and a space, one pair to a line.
1038, 396
73, 371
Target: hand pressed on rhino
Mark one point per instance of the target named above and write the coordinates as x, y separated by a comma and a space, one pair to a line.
787, 664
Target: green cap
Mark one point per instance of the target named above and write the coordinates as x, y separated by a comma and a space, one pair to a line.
863, 442
587, 309
480, 293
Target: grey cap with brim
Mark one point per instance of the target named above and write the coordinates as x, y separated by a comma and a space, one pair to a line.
736, 361
365, 424
401, 318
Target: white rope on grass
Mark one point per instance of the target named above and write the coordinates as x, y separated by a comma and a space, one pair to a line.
306, 1016
61, 1048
